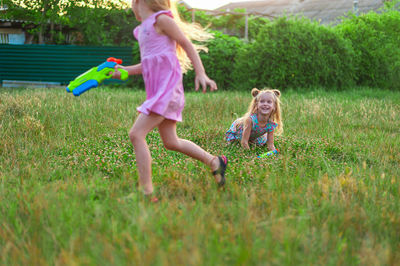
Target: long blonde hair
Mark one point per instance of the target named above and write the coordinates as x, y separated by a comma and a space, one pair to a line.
193, 31
276, 115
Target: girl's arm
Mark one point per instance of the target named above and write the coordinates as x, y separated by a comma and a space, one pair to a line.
132, 70
167, 26
247, 125
270, 141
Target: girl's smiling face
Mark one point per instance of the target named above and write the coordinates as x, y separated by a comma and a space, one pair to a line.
266, 104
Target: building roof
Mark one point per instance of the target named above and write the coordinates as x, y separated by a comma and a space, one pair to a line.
325, 11
13, 20
3, 7
10, 23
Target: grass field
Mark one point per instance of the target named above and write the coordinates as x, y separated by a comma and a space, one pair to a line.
68, 183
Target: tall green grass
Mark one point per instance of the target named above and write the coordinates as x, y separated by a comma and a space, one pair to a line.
68, 182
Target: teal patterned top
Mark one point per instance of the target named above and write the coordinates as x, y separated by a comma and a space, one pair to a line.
258, 134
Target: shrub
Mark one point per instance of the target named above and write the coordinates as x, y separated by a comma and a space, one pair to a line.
219, 61
376, 40
101, 26
295, 52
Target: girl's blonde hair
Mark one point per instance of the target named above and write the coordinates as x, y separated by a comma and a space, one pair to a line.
193, 31
275, 115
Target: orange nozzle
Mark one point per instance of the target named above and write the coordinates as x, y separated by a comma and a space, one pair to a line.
113, 59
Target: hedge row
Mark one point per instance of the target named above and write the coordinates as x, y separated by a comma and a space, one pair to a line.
295, 52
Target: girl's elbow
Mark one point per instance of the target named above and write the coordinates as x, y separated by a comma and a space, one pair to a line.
186, 45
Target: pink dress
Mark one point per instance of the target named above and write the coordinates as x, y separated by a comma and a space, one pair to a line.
161, 71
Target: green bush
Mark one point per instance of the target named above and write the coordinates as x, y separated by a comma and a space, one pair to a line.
376, 41
295, 52
219, 61
292, 52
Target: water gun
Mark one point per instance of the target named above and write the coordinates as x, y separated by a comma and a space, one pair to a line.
95, 76
267, 154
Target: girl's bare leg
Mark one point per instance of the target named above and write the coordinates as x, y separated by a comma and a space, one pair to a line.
137, 134
167, 129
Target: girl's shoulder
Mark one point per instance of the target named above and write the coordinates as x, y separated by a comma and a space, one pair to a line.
158, 15
254, 118
162, 19
153, 18
248, 120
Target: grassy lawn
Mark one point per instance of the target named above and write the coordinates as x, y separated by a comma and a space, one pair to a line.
68, 182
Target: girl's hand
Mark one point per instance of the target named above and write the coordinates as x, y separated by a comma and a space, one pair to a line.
271, 148
117, 74
270, 141
245, 145
247, 125
204, 81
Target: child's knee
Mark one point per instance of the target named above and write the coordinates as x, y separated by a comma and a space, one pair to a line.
134, 136
171, 145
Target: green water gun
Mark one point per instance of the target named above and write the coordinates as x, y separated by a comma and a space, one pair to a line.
267, 154
95, 76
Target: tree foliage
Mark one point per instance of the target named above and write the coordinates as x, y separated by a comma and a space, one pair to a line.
40, 12
286, 52
291, 52
375, 38
90, 22
219, 61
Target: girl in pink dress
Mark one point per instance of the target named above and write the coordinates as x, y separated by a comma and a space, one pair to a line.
166, 51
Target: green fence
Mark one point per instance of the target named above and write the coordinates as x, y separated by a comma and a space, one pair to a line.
54, 63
